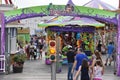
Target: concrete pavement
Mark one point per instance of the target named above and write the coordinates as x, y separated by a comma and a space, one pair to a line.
37, 70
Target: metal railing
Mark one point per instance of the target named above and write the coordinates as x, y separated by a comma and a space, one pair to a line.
2, 63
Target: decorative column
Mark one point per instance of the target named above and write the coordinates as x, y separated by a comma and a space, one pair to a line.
118, 48
58, 56
2, 52
2, 34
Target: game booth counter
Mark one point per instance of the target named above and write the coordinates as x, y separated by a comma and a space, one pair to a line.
64, 10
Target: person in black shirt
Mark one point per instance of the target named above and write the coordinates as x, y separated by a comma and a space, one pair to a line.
99, 46
70, 57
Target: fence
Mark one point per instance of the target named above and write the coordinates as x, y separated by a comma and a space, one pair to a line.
2, 63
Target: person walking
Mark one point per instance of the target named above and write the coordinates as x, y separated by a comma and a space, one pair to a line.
98, 70
84, 69
27, 50
110, 52
96, 56
70, 57
31, 51
40, 44
99, 46
78, 60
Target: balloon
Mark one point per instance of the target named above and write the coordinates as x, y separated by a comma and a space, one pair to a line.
78, 36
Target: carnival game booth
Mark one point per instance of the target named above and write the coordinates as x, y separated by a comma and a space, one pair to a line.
109, 31
61, 10
73, 31
72, 35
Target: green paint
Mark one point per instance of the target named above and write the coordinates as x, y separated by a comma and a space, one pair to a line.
37, 9
23, 37
94, 11
77, 9
13, 12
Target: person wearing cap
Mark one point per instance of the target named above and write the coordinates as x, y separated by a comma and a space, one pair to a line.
70, 57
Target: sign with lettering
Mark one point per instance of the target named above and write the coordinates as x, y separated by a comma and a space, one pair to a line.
68, 9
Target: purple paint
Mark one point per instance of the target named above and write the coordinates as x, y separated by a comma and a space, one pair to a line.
2, 40
70, 2
33, 14
118, 48
72, 28
2, 34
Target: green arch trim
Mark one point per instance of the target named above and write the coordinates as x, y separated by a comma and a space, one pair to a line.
44, 11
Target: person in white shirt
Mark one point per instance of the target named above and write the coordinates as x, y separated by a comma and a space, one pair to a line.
98, 70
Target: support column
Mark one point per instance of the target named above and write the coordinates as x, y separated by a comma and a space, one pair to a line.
2, 52
118, 47
58, 56
53, 71
2, 34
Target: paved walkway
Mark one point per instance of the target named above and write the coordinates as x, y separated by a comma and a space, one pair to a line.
37, 70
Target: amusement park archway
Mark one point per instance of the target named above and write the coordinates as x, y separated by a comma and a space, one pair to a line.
61, 10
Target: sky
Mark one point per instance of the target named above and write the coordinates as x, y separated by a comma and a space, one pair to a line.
28, 3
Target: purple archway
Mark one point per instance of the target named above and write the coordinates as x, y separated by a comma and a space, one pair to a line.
41, 11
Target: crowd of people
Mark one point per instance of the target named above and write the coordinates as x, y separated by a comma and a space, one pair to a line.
79, 65
34, 48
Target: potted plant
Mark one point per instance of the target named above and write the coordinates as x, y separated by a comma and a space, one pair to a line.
19, 60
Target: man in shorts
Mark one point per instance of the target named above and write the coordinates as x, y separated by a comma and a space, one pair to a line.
110, 52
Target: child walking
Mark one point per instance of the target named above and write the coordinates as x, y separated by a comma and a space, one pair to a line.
84, 69
98, 70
